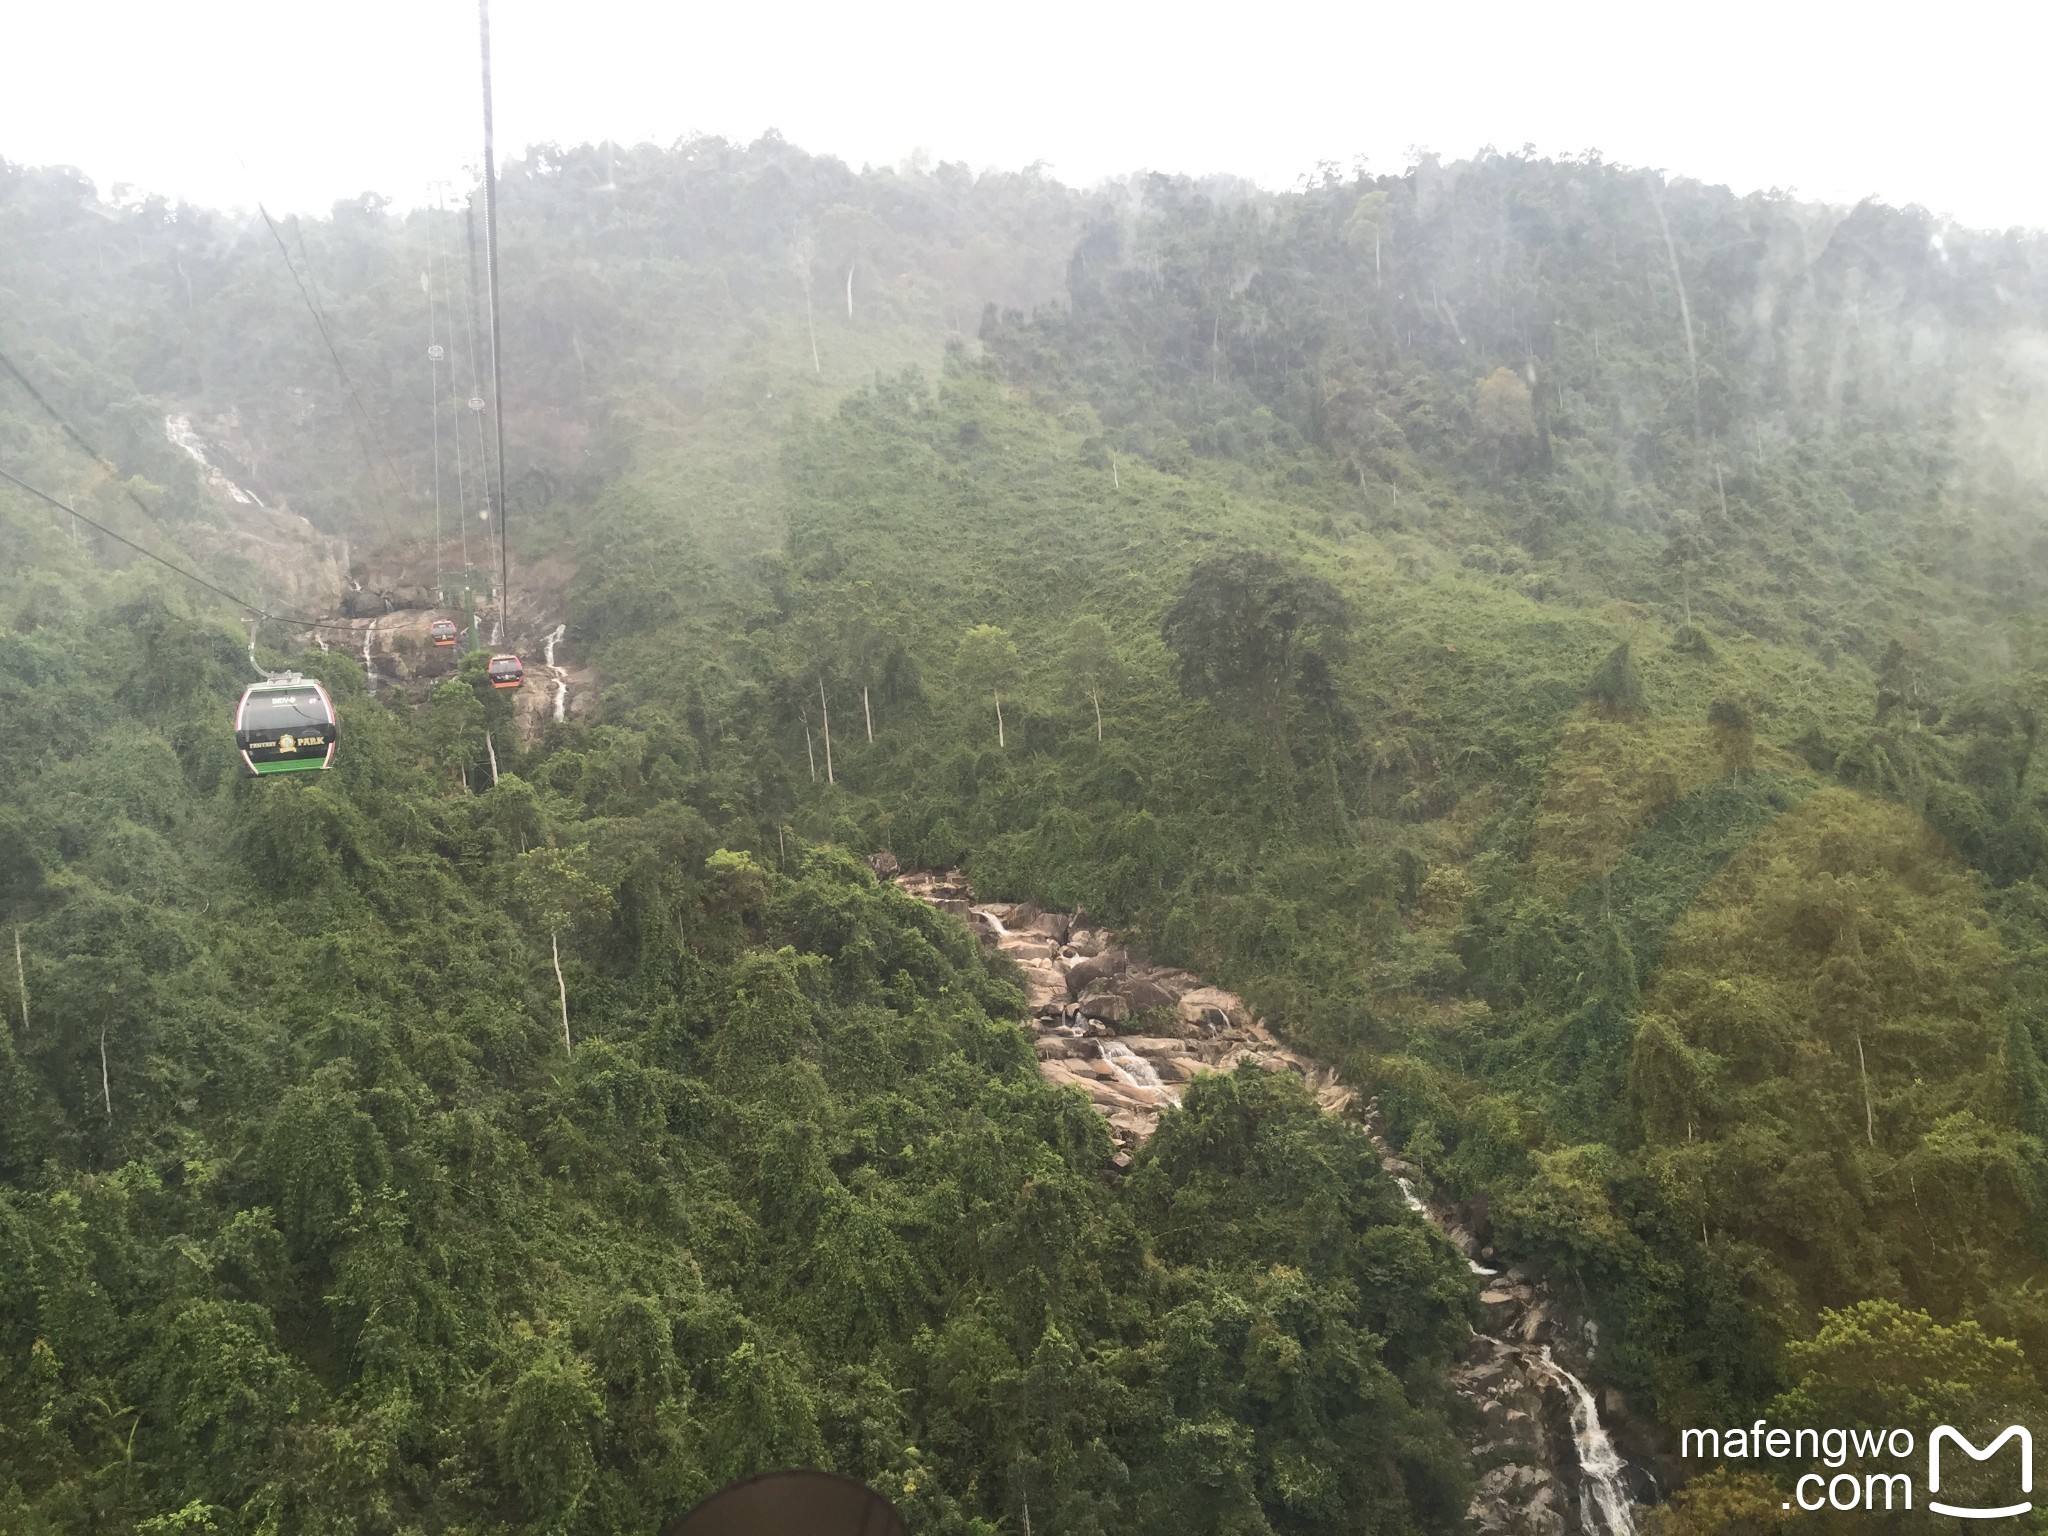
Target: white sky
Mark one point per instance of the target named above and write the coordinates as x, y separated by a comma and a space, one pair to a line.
301, 102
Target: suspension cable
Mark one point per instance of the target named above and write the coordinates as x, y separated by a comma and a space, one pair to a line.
434, 397
248, 607
320, 320
476, 381
483, 10
455, 408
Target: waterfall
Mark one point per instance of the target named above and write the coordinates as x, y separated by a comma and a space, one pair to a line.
1600, 1465
1133, 1068
179, 430
1605, 1506
369, 665
561, 682
992, 920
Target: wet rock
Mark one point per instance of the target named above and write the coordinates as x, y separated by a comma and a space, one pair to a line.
884, 865
1106, 1008
1143, 996
1082, 974
1503, 1307
1193, 1003
1081, 990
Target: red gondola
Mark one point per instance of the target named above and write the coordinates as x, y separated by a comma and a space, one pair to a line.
506, 672
444, 632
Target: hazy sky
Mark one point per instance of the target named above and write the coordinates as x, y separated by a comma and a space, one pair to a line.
304, 101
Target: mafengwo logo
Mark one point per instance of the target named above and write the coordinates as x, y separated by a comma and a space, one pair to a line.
1890, 1489
1945, 1434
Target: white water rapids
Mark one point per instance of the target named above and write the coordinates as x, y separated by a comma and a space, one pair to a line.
1133, 1068
369, 663
1600, 1465
179, 429
1606, 1507
561, 680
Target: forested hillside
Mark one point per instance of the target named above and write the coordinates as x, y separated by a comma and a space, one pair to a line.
1563, 641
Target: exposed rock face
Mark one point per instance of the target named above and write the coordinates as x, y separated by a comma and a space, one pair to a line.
1548, 1466
1080, 993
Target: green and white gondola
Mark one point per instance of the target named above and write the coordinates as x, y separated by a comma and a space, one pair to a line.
286, 725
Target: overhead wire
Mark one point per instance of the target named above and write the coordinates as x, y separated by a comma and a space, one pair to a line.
299, 620
483, 10
128, 490
320, 320
455, 410
434, 394
476, 381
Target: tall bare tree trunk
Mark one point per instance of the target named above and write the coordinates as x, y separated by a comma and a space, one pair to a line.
825, 710
1863, 1068
1115, 484
21, 978
999, 720
809, 751
1692, 357
816, 366
867, 712
1095, 698
562, 989
488, 747
849, 293
106, 1089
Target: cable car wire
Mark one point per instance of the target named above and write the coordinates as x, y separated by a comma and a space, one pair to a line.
483, 11
119, 538
37, 396
434, 354
320, 320
73, 433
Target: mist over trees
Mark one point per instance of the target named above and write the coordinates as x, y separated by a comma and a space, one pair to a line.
1562, 641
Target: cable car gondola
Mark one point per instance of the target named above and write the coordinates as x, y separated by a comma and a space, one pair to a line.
505, 672
286, 725
444, 632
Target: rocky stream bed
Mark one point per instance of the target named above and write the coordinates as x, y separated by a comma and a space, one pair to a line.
1132, 1035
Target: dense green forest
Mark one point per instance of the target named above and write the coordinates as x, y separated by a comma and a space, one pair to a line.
1563, 641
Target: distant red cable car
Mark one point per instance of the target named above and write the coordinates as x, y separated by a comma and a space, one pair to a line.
444, 632
506, 672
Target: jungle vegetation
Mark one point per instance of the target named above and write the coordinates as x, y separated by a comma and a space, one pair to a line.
1564, 641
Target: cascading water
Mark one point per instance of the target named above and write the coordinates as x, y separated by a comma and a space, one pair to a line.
1133, 1068
179, 430
561, 681
369, 664
1605, 1508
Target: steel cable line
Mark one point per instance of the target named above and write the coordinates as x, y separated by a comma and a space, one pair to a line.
455, 408
476, 378
320, 320
298, 620
73, 433
455, 405
483, 11
434, 395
